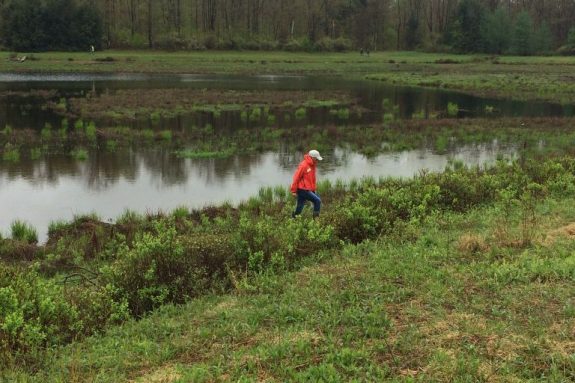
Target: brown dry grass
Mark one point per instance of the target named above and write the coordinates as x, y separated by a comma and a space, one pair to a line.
171, 99
565, 232
470, 244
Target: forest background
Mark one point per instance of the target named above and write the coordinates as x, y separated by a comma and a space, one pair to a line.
521, 27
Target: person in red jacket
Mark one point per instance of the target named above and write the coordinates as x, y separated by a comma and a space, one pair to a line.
303, 185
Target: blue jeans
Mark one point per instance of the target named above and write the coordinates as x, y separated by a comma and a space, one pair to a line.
306, 195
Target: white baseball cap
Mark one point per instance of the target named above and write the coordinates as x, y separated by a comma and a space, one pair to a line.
315, 154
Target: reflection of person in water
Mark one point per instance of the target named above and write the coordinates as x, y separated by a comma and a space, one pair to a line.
303, 186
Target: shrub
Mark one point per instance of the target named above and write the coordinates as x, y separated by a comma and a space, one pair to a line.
327, 44
36, 313
161, 267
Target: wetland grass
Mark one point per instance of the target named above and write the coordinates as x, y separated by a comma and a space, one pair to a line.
300, 113
111, 145
166, 135
148, 134
11, 154
255, 114
343, 114
7, 131
21, 231
79, 154
79, 125
452, 109
91, 132
35, 153
203, 154
46, 132
181, 212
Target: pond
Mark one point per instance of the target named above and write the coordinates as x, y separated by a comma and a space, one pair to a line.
149, 178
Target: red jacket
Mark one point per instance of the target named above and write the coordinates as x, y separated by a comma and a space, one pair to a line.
304, 177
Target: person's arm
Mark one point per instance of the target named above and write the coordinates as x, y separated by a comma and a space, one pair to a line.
296, 178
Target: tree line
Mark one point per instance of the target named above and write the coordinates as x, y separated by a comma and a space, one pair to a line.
493, 26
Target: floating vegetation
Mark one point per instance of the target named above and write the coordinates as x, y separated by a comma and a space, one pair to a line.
79, 154
386, 104
489, 109
198, 154
155, 117
300, 113
343, 114
148, 134
452, 109
256, 114
35, 153
321, 103
418, 115
111, 145
7, 131
11, 153
63, 133
79, 124
441, 144
46, 132
271, 119
166, 135
91, 131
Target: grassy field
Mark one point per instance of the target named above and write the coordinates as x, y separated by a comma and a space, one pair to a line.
466, 297
526, 78
462, 276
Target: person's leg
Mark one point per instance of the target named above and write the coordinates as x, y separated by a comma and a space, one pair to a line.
314, 198
301, 198
306, 195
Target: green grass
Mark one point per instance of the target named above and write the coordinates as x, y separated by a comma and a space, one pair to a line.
300, 113
21, 231
79, 154
436, 301
11, 154
452, 109
91, 132
541, 78
199, 154
166, 135
343, 114
35, 153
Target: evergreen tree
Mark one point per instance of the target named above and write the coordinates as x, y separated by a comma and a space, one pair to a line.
496, 32
22, 26
522, 41
466, 34
412, 34
543, 39
30, 25
571, 37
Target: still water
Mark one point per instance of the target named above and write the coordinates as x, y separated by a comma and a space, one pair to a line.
57, 187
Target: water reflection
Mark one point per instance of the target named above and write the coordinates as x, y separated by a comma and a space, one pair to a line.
148, 180
20, 111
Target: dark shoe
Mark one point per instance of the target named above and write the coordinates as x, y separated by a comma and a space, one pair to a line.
315, 214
